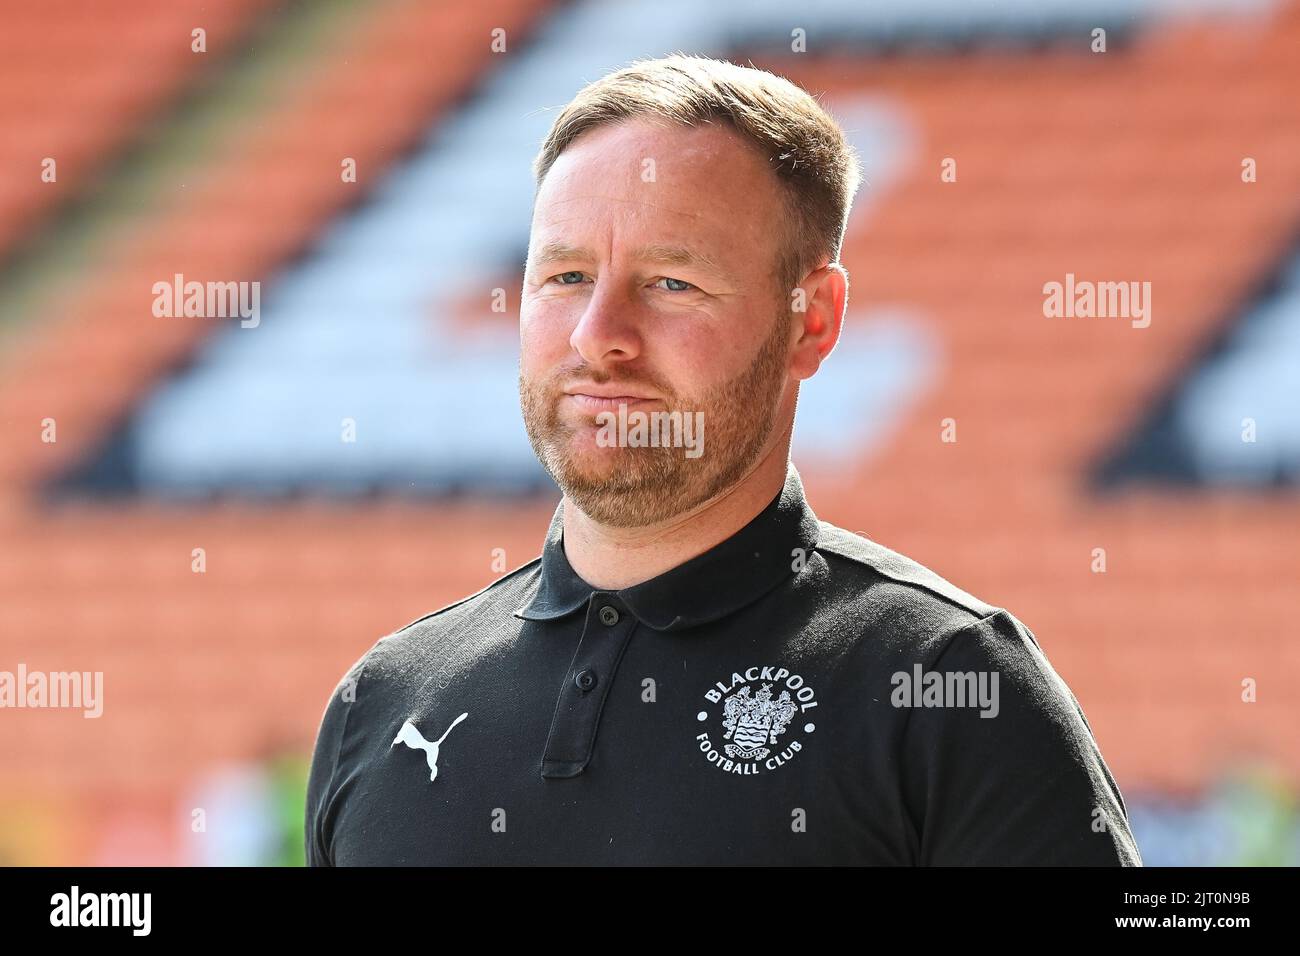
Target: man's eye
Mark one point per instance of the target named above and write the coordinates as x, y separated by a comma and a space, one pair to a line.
680, 284
565, 277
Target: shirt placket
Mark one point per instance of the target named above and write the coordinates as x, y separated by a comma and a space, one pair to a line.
605, 635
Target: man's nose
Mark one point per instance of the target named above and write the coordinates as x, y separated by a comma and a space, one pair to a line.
607, 330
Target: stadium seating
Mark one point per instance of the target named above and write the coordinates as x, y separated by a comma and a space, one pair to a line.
1123, 165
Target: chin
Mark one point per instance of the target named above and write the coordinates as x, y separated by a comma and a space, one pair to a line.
581, 461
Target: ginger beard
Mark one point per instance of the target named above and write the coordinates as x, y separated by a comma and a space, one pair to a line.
630, 487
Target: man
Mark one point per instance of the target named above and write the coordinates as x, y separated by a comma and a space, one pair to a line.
696, 669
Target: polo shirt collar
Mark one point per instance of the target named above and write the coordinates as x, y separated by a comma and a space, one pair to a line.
727, 577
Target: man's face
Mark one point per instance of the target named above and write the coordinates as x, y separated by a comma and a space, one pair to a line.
650, 284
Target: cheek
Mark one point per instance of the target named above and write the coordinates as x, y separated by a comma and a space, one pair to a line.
544, 333
698, 357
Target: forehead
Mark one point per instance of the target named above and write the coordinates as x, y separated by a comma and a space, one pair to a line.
655, 180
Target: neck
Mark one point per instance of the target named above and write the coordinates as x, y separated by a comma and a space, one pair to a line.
614, 558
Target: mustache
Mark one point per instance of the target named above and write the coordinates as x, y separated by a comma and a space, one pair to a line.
558, 381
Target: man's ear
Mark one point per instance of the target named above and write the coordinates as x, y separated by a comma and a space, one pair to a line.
823, 295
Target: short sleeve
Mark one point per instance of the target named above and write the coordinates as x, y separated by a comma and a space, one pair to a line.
1005, 770
324, 768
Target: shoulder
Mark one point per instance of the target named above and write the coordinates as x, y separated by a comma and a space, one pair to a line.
878, 560
431, 647
918, 617
893, 596
472, 620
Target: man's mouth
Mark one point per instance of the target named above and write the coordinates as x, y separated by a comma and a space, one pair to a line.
606, 403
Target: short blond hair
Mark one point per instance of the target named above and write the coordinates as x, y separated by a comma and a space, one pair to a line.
803, 145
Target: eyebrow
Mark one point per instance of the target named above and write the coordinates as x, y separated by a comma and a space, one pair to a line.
654, 252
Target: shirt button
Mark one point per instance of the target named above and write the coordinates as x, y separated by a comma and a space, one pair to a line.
585, 680
608, 616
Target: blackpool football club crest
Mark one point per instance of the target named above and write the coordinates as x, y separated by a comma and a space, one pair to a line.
756, 722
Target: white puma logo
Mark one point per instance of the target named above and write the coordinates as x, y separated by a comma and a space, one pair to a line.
415, 740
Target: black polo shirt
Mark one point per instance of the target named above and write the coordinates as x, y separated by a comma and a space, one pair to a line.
796, 695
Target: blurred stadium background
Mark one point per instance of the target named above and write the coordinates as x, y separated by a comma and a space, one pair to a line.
230, 163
